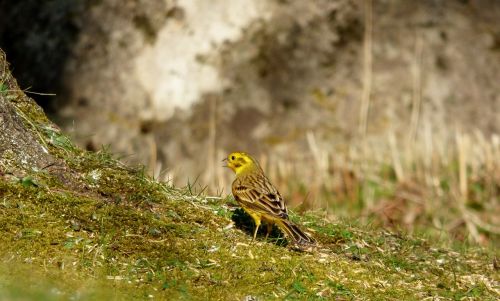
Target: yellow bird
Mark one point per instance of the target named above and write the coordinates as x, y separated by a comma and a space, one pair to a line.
261, 200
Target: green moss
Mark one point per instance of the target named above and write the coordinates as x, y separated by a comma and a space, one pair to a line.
123, 233
93, 229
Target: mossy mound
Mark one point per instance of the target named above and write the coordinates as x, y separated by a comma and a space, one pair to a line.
134, 238
82, 226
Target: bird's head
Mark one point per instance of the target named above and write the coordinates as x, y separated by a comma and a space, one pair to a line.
241, 162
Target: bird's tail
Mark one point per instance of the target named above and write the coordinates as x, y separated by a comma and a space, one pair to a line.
297, 235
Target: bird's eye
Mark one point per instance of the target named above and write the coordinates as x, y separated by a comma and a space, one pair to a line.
232, 158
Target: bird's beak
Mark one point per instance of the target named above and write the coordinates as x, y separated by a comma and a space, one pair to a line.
224, 160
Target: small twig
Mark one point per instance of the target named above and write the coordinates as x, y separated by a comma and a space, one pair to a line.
38, 93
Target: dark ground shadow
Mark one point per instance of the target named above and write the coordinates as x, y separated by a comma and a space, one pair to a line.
244, 222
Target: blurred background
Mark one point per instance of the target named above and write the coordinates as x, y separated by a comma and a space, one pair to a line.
373, 111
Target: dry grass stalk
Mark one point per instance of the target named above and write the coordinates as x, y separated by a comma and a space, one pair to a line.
212, 128
417, 87
367, 67
396, 161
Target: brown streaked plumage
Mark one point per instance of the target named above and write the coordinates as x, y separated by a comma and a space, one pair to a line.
261, 200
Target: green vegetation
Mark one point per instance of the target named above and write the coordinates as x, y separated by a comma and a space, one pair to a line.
121, 235
86, 227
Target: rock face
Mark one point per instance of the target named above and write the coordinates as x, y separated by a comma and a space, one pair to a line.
172, 82
21, 150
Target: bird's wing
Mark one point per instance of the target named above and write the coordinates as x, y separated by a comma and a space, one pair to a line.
261, 197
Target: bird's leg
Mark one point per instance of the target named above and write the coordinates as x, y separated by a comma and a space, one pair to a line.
269, 229
257, 224
257, 220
